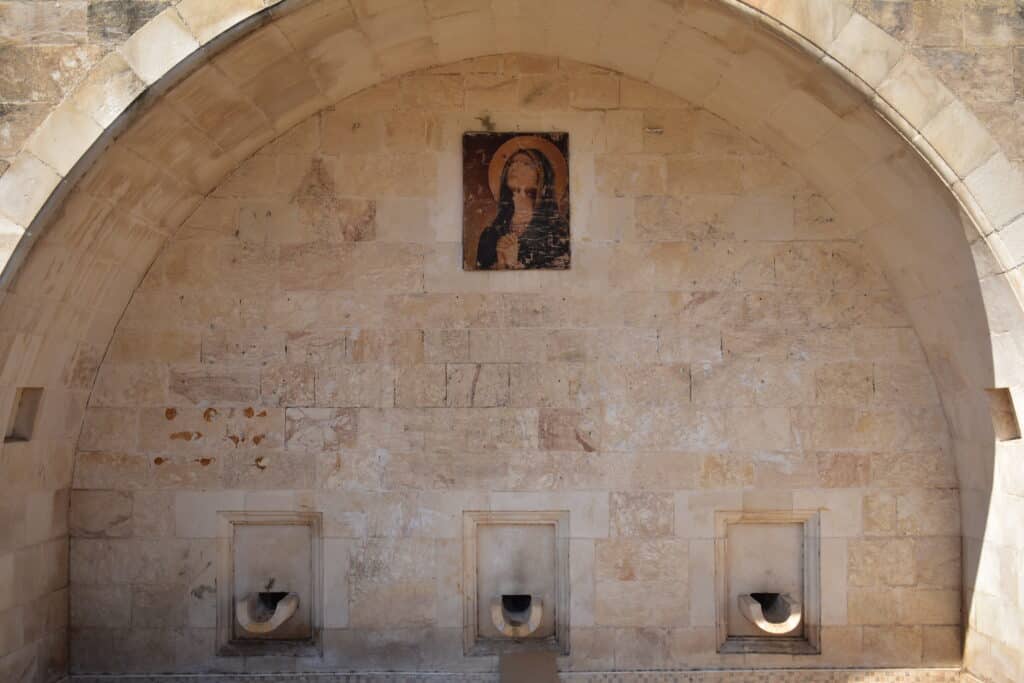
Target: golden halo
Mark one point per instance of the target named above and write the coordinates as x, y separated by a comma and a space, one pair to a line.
542, 145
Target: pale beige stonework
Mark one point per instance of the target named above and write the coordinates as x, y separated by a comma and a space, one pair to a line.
66, 299
394, 392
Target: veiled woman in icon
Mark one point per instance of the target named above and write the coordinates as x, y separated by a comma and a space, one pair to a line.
529, 179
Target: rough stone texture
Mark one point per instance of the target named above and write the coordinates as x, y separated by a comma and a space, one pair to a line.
345, 368
978, 34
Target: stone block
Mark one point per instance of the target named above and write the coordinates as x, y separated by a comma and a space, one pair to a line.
626, 559
739, 382
269, 469
942, 646
928, 607
109, 470
63, 137
555, 385
207, 22
356, 385
631, 176
24, 187
849, 383
152, 514
159, 606
420, 386
101, 514
478, 385
594, 91
399, 347
642, 514
136, 346
158, 45
446, 346
316, 347
109, 429
365, 266
135, 384
937, 562
567, 430
196, 512
337, 554
212, 385
348, 469
872, 606
892, 646
880, 514
844, 470
290, 384
318, 429
960, 138
101, 606
928, 512
648, 604
883, 562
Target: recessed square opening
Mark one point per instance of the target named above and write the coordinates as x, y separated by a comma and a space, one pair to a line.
1004, 415
24, 411
516, 582
768, 576
269, 584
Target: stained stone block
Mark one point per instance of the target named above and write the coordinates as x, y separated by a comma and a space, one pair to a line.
318, 429
101, 514
287, 385
203, 385
642, 514
477, 385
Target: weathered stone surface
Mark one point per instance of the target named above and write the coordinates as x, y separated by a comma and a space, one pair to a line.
101, 514
642, 514
287, 385
319, 429
477, 385
640, 559
724, 342
213, 386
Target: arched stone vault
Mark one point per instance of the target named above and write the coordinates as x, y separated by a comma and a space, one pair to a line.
116, 168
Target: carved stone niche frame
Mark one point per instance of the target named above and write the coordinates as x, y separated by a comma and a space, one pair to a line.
297, 526
807, 640
553, 527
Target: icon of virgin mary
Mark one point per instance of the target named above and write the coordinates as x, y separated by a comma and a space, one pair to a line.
526, 225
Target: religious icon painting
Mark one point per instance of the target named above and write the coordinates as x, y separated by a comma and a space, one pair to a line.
515, 213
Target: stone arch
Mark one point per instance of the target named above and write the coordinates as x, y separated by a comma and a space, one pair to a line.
201, 87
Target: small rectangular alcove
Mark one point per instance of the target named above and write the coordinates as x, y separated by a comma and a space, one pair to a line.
270, 578
1004, 414
771, 561
515, 581
24, 410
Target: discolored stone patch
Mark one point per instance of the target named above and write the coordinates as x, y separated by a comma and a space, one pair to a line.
326, 215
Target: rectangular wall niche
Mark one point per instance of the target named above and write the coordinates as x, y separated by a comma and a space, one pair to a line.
1004, 414
515, 581
269, 584
767, 567
24, 410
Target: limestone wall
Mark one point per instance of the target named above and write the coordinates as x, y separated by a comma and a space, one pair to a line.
308, 340
47, 47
